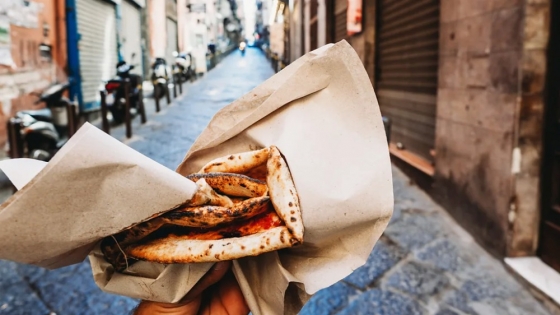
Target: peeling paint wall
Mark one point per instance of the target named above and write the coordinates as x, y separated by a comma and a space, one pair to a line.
528, 129
32, 73
489, 119
478, 94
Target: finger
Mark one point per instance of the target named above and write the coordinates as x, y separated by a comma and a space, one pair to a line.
214, 275
226, 298
231, 295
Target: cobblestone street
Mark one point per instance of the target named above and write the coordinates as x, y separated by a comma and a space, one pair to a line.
423, 264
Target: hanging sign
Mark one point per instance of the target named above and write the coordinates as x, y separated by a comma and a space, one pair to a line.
5, 47
354, 17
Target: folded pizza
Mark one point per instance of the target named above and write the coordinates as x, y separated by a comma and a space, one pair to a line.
246, 204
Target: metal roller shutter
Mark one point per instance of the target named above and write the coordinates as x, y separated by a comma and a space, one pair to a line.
340, 8
98, 47
171, 41
131, 36
407, 66
313, 28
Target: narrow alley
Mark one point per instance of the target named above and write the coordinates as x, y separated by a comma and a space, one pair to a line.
424, 263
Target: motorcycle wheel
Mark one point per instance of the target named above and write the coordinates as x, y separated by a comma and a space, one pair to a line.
118, 115
39, 148
40, 155
158, 91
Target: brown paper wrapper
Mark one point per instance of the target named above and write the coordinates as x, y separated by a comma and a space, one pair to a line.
321, 112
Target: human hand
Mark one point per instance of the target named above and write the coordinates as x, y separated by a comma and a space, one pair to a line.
216, 293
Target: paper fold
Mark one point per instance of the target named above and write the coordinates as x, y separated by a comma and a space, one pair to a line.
94, 187
21, 171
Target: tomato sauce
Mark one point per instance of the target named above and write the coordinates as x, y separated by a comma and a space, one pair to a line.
259, 223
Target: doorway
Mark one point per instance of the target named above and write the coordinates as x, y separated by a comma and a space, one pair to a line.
549, 240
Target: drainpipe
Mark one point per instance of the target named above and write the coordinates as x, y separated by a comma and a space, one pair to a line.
118, 17
72, 41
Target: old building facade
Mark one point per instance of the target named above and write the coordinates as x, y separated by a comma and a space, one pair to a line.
471, 89
32, 53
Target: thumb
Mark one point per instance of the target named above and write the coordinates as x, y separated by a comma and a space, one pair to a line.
215, 274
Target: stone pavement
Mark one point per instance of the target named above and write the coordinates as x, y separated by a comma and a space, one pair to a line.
424, 263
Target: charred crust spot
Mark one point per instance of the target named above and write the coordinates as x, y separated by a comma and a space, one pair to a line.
242, 247
231, 234
278, 164
217, 256
292, 212
190, 248
268, 241
210, 246
293, 219
231, 157
243, 185
262, 246
291, 204
282, 238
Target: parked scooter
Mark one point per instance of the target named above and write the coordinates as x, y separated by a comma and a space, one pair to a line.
116, 97
159, 77
184, 66
45, 131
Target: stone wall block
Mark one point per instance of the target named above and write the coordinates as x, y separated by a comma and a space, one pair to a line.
504, 71
507, 30
470, 8
448, 40
449, 10
474, 33
537, 20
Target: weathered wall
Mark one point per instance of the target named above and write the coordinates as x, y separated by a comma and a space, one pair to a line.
529, 124
478, 92
157, 28
492, 66
30, 72
296, 22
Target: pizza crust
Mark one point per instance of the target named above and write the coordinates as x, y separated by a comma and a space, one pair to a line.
205, 195
210, 216
237, 163
231, 184
214, 227
283, 194
177, 249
